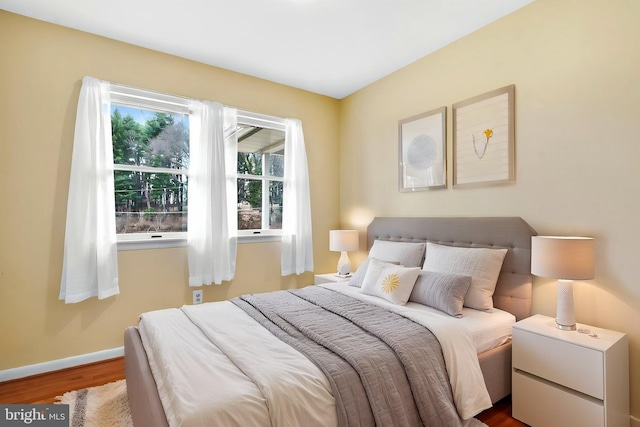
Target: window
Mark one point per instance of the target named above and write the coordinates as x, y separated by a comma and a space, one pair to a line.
153, 166
260, 179
150, 133
151, 157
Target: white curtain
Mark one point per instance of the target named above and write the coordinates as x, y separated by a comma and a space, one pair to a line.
297, 243
212, 194
90, 263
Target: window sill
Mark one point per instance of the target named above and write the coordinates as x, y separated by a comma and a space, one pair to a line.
146, 243
177, 242
259, 238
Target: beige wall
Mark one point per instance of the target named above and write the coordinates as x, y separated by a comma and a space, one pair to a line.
575, 65
41, 68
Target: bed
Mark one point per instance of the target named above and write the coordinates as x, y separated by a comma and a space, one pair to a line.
512, 296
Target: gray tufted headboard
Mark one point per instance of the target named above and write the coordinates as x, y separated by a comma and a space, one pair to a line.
513, 291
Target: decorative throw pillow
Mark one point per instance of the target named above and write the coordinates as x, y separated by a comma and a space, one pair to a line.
443, 291
482, 264
408, 254
391, 282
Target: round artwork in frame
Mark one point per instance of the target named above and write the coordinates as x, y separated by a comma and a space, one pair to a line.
422, 152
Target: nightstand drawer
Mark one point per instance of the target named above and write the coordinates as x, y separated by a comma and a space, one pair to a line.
544, 404
564, 363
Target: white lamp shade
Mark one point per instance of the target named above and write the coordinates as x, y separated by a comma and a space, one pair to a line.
343, 240
565, 258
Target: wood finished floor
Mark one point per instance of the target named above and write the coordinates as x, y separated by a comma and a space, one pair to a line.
44, 388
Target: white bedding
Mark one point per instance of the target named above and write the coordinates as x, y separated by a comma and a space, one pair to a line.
459, 338
487, 329
237, 373
267, 383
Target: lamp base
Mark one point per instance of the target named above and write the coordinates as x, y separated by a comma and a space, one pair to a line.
344, 265
565, 327
565, 316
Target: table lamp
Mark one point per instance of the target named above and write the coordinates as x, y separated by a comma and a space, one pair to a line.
343, 241
565, 259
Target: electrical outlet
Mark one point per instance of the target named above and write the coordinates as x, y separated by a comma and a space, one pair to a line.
197, 297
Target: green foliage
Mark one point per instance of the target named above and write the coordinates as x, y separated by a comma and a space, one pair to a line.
159, 142
250, 191
148, 214
125, 190
155, 125
129, 143
255, 194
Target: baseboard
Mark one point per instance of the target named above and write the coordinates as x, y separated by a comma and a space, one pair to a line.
635, 422
56, 365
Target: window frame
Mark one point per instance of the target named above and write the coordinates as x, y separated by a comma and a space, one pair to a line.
128, 96
156, 101
265, 122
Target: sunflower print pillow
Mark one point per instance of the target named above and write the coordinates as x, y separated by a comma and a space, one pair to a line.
393, 283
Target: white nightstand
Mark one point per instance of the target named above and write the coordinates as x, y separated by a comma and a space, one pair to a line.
328, 278
568, 378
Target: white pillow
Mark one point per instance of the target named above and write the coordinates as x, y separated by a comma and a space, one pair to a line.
408, 254
482, 264
391, 282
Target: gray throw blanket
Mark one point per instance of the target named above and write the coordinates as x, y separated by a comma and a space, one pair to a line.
385, 369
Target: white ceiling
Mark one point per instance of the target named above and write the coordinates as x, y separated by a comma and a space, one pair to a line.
330, 47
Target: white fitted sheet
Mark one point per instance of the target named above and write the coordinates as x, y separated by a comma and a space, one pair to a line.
487, 329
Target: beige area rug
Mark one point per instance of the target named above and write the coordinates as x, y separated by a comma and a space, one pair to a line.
103, 406
108, 406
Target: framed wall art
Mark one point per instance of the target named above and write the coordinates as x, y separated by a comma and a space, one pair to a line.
422, 156
484, 139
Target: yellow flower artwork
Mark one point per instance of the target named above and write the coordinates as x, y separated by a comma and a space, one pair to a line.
487, 133
390, 283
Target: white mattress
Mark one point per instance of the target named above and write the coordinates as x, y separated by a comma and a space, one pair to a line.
487, 329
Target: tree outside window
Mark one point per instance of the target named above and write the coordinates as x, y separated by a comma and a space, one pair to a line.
151, 160
151, 157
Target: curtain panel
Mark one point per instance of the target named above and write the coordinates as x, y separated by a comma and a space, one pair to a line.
297, 239
90, 264
212, 193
